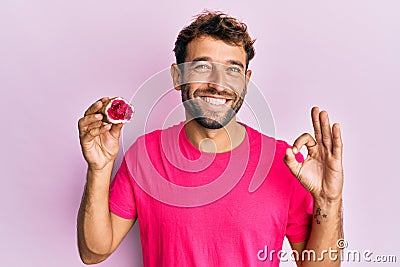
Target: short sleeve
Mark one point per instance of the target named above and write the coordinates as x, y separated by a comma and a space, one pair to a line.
300, 211
121, 199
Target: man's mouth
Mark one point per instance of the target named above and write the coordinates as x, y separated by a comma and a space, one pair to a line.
217, 101
213, 100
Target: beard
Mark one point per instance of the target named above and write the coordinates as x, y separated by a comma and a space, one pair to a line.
207, 118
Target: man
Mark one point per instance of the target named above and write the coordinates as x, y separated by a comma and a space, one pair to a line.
235, 228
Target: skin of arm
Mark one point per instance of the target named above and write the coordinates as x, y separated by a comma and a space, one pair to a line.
99, 230
321, 174
323, 238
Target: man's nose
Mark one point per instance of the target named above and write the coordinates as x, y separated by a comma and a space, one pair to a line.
218, 79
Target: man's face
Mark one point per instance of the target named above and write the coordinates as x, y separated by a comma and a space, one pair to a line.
214, 81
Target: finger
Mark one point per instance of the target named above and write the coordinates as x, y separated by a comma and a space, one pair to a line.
292, 163
304, 140
89, 119
115, 130
337, 141
83, 123
326, 130
96, 106
316, 124
93, 125
93, 133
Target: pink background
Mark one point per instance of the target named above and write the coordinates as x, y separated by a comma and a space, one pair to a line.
57, 57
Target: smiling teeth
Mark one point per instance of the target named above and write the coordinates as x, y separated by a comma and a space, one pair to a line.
214, 101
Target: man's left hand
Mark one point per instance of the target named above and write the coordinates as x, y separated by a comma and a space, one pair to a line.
321, 173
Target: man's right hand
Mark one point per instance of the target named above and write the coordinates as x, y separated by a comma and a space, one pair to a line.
99, 142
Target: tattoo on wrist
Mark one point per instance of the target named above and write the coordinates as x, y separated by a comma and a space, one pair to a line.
319, 215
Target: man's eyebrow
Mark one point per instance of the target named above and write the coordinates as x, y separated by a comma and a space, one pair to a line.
201, 59
230, 62
235, 62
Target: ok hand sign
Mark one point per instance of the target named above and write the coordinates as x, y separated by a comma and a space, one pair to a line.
321, 173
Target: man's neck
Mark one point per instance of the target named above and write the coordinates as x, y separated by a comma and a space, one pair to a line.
215, 140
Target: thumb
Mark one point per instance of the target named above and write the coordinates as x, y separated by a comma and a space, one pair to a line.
115, 130
291, 162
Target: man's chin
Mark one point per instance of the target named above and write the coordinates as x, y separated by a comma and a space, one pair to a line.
210, 123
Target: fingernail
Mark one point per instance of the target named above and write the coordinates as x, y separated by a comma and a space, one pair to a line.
98, 116
295, 150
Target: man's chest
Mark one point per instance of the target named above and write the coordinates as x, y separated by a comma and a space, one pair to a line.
238, 211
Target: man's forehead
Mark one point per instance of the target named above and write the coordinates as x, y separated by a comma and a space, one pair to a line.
215, 50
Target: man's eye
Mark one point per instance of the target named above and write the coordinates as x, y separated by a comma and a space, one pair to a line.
202, 66
234, 69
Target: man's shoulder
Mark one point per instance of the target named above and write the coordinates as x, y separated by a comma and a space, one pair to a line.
154, 137
255, 135
156, 134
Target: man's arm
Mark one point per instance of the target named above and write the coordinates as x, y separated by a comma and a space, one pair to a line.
99, 230
321, 174
326, 230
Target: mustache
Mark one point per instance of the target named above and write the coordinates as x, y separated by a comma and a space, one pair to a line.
212, 91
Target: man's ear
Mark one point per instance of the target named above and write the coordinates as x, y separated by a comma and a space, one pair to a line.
248, 75
176, 76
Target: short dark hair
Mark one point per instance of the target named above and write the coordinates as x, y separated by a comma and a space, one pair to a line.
217, 25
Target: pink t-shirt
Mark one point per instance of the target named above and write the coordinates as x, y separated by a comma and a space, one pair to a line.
196, 208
